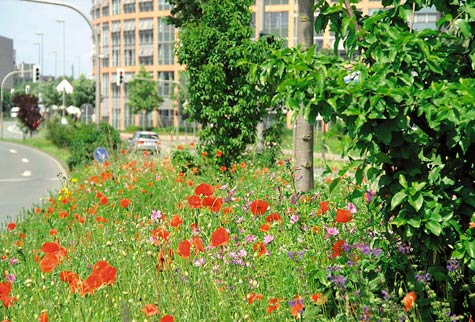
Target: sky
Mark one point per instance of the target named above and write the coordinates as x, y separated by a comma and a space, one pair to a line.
22, 20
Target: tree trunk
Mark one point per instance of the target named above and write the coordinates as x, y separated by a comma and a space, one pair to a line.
303, 133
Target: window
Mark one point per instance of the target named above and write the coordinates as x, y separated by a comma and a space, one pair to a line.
115, 39
129, 38
146, 6
276, 1
163, 5
129, 57
115, 57
146, 60
129, 8
105, 11
115, 7
277, 23
105, 85
165, 83
105, 35
166, 43
146, 36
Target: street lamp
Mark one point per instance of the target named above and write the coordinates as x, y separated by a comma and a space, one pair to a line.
42, 50
39, 51
95, 36
64, 45
55, 52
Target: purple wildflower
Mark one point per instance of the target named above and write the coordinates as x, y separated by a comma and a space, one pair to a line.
368, 195
351, 207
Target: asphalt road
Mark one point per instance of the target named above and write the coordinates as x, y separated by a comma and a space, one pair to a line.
27, 176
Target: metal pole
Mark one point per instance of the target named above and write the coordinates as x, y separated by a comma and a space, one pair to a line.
41, 62
1, 95
96, 44
39, 51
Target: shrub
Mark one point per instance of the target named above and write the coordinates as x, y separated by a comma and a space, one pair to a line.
59, 134
89, 137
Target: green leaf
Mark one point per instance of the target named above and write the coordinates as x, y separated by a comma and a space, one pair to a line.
434, 227
469, 247
464, 27
398, 199
414, 222
416, 203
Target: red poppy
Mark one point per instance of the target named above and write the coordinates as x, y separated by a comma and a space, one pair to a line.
343, 216
49, 262
43, 317
68, 276
161, 232
204, 189
215, 203
197, 243
184, 249
260, 248
220, 237
319, 299
5, 289
125, 203
219, 153
337, 248
409, 300
176, 221
324, 206
150, 310
251, 297
273, 217
264, 227
11, 226
297, 308
167, 318
194, 201
259, 207
104, 200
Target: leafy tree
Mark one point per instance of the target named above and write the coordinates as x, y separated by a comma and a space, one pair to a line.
84, 91
215, 48
143, 96
410, 116
29, 114
184, 11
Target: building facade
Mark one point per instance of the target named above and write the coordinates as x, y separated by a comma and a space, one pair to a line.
134, 33
7, 60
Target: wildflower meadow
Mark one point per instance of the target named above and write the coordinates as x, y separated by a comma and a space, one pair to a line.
139, 238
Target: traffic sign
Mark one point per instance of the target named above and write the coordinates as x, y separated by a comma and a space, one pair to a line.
65, 86
100, 154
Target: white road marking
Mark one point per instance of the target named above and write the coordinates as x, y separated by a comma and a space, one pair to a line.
13, 151
26, 173
25, 160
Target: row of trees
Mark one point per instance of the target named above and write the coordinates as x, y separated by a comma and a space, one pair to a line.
409, 116
84, 92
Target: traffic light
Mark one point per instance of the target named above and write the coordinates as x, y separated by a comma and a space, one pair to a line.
36, 73
120, 77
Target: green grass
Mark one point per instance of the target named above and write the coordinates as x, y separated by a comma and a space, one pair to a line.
270, 261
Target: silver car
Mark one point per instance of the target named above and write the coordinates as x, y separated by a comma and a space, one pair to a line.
145, 141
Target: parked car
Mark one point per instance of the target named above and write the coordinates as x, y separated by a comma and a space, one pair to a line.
145, 141
14, 112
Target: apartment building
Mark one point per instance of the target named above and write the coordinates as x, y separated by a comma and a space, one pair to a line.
134, 33
7, 60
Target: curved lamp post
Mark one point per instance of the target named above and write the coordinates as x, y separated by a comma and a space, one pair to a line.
95, 35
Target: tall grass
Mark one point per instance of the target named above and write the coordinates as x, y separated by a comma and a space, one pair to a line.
233, 245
